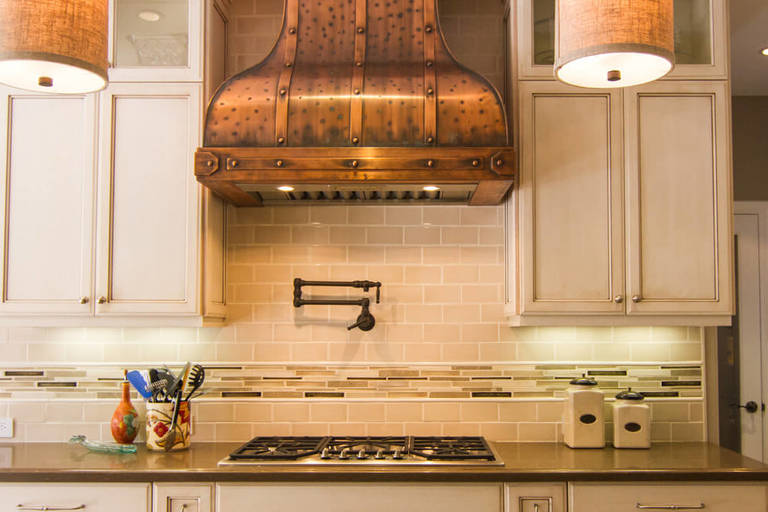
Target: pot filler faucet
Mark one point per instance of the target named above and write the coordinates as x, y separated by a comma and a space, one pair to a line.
365, 320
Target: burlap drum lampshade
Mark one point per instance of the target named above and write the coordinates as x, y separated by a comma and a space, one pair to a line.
613, 43
54, 45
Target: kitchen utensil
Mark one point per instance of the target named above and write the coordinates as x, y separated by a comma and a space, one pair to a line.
179, 380
162, 380
98, 446
170, 439
195, 380
140, 381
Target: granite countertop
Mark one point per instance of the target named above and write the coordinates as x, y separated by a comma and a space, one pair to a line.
524, 462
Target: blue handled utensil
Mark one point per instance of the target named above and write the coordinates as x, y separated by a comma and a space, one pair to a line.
140, 381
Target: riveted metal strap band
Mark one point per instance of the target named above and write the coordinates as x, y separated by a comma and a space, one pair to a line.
430, 76
358, 73
284, 82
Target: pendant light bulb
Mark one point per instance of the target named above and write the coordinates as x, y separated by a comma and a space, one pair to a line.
613, 43
55, 46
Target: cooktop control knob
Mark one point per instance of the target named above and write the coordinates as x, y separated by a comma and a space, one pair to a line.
344, 455
379, 454
397, 455
325, 454
361, 454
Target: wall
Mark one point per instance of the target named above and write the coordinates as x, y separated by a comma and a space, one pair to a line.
439, 361
750, 153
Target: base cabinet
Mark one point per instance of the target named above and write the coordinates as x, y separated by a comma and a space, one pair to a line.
76, 496
710, 497
356, 497
173, 497
534, 497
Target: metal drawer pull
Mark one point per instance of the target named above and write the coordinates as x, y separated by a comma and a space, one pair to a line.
670, 507
46, 507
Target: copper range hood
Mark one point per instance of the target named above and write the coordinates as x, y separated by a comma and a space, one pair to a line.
359, 101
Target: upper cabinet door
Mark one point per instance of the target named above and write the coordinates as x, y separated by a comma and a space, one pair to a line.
148, 200
700, 39
679, 198
571, 240
153, 41
47, 147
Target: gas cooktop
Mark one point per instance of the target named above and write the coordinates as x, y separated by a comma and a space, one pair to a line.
368, 451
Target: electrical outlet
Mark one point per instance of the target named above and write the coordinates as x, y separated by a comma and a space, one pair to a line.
6, 427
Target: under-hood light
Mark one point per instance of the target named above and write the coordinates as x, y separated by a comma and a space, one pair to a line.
285, 188
431, 188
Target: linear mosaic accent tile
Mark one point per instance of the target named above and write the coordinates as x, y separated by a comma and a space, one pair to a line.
372, 381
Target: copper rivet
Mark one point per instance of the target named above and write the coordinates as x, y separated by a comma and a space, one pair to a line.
280, 140
430, 163
430, 139
288, 64
233, 163
356, 91
430, 91
355, 140
499, 162
359, 64
45, 81
428, 28
429, 63
355, 163
360, 30
292, 30
475, 163
279, 163
614, 75
283, 91
209, 163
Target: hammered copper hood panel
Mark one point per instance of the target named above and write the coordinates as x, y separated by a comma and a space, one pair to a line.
357, 92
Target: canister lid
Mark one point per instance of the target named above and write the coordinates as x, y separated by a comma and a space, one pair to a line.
584, 381
630, 395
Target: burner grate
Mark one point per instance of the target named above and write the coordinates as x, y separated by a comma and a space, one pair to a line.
280, 447
371, 445
451, 448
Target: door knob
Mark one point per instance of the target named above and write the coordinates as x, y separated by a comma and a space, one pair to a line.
636, 298
102, 300
618, 299
751, 406
83, 300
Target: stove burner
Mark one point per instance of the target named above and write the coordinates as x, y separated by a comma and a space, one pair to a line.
280, 447
451, 448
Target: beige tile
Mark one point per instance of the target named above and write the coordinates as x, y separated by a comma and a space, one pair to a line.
442, 333
348, 272
491, 236
251, 215
402, 215
423, 352
272, 235
441, 215
253, 293
696, 412
673, 411
309, 351
498, 351
353, 429
400, 412
407, 333
549, 411
459, 235
240, 234
422, 235
537, 432
310, 429
213, 412
669, 333
495, 274
385, 429
687, 432
367, 215
271, 273
240, 274
650, 352
461, 429
402, 254
270, 429
387, 274
687, 352
661, 431
366, 412
347, 235
416, 313
499, 431
323, 255
267, 313
291, 215
460, 274
328, 214
484, 255
492, 313
573, 352
291, 254
461, 313
448, 294
480, 293
290, 412
481, 215
58, 432
233, 352
537, 351
250, 254
384, 235
424, 429
612, 352
442, 411
441, 255
517, 411
477, 412
328, 412
365, 254
312, 234
631, 333
405, 294
423, 274
32, 412
475, 333
253, 412
234, 432
461, 352
270, 352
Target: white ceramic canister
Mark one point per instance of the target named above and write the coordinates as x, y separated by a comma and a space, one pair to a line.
631, 421
583, 423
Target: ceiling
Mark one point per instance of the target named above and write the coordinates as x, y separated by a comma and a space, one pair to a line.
749, 35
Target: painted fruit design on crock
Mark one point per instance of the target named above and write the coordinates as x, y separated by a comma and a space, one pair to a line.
124, 419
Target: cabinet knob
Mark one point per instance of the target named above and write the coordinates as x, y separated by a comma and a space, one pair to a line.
618, 299
83, 300
102, 300
636, 298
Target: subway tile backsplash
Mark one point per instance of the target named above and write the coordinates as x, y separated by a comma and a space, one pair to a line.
440, 359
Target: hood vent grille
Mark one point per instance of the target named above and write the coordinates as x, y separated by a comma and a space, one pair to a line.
351, 194
360, 93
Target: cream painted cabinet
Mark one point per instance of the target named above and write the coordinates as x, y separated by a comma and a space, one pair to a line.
623, 209
701, 45
298, 497
89, 497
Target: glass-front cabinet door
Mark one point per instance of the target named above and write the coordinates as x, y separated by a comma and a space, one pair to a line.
156, 40
700, 42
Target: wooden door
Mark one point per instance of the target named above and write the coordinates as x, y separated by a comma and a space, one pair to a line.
679, 202
47, 144
571, 240
148, 200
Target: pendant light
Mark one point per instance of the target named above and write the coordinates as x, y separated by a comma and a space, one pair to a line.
613, 43
57, 46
